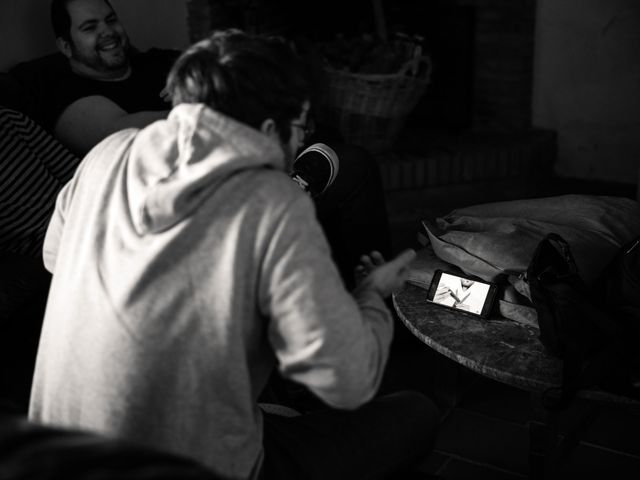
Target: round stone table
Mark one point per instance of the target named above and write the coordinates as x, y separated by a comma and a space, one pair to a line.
495, 347
511, 353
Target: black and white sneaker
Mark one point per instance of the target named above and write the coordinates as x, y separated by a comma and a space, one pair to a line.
315, 168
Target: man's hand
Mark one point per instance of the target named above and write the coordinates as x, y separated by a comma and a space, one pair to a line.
165, 95
383, 277
442, 294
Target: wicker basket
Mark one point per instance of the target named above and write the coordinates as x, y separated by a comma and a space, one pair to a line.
370, 110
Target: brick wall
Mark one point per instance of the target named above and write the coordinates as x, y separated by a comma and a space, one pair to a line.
470, 158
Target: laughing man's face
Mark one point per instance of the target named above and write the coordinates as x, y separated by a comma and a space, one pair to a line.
99, 46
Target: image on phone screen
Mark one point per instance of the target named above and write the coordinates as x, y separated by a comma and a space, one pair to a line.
461, 293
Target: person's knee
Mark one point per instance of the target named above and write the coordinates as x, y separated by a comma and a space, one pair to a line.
417, 402
355, 161
358, 179
420, 413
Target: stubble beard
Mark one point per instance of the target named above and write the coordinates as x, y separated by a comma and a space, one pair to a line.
111, 61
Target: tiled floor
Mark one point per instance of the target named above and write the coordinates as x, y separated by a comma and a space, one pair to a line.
486, 435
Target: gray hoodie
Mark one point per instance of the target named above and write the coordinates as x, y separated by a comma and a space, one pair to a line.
186, 266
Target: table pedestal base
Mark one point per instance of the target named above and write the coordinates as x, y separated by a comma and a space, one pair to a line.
549, 448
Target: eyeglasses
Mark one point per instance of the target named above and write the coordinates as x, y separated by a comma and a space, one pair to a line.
307, 128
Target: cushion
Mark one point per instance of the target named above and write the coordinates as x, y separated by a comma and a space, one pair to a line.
495, 239
35, 78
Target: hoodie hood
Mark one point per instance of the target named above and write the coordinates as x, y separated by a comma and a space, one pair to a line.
175, 164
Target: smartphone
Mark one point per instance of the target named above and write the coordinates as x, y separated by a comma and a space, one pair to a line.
462, 293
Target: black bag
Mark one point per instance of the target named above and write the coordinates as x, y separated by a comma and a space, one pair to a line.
620, 284
596, 338
620, 287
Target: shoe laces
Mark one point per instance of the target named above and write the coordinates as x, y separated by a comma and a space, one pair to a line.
302, 183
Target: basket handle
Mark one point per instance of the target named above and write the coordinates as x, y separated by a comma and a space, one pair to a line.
381, 22
412, 67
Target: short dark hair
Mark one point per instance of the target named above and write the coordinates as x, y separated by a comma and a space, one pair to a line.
245, 76
61, 20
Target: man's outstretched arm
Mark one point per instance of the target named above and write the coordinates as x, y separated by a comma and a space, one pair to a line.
89, 120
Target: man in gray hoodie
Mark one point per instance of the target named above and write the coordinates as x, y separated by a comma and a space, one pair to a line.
187, 266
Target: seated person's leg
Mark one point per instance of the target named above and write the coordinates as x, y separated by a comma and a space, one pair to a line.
24, 285
387, 436
352, 211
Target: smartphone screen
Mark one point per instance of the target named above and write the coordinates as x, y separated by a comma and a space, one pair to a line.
462, 293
